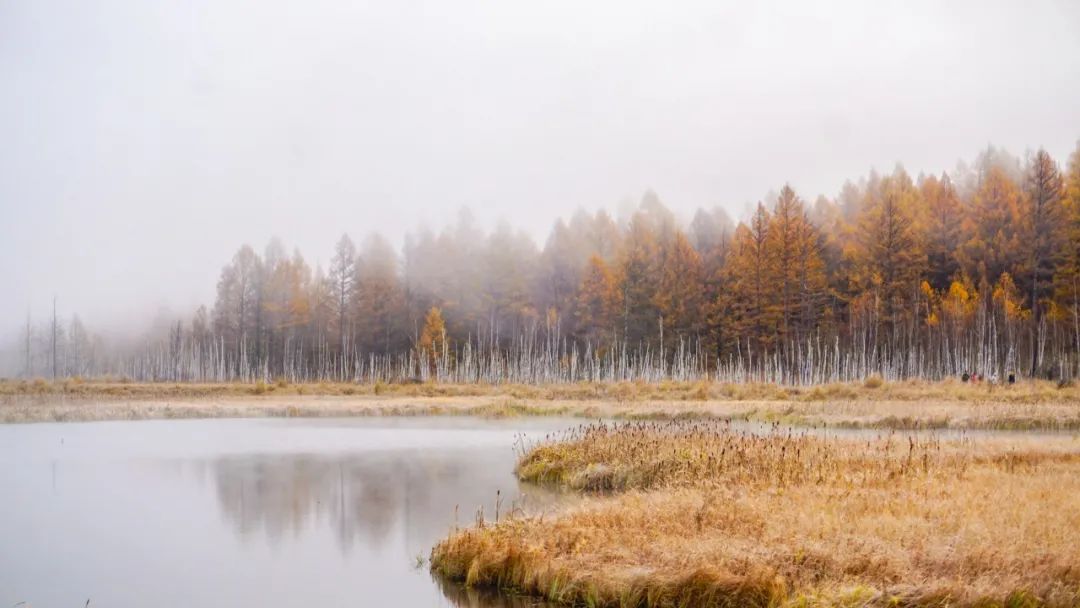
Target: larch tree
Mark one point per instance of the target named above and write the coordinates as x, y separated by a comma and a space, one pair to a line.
559, 272
237, 302
1067, 276
379, 298
992, 235
603, 236
343, 287
978, 269
836, 247
506, 278
890, 256
709, 229
795, 267
748, 275
713, 249
943, 230
432, 342
320, 295
639, 270
811, 276
1044, 235
598, 303
678, 297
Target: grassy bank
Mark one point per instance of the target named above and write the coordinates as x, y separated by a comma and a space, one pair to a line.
874, 389
696, 514
906, 405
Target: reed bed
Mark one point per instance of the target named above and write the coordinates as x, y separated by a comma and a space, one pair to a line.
687, 513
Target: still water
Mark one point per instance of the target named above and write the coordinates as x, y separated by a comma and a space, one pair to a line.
269, 513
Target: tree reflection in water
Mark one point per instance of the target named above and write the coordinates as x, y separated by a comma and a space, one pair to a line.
363, 497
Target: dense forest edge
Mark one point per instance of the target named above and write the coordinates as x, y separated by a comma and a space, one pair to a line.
976, 271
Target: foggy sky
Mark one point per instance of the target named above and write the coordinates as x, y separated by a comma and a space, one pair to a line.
142, 142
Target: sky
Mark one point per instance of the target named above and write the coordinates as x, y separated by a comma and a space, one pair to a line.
142, 142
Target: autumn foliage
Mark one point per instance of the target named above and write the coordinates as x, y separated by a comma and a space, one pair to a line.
975, 270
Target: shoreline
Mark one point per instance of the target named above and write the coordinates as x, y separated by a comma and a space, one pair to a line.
889, 406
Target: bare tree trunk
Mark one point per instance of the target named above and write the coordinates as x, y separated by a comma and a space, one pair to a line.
54, 338
29, 370
1035, 314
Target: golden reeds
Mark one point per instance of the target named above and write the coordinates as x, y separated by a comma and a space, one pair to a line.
705, 515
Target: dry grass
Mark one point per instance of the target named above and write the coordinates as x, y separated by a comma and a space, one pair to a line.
20, 411
713, 517
873, 389
902, 405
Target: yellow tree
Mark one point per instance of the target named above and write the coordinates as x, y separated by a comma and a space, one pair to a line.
889, 256
796, 269
432, 342
1009, 302
957, 309
992, 228
679, 295
836, 247
783, 236
598, 302
747, 274
942, 231
286, 302
1067, 276
810, 274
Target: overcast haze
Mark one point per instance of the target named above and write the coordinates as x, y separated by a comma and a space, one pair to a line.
143, 142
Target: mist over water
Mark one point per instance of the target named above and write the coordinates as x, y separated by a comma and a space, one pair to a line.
247, 512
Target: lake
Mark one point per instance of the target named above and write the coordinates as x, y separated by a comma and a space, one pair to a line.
257, 512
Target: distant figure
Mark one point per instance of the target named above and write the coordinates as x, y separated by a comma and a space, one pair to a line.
1012, 378
965, 377
974, 377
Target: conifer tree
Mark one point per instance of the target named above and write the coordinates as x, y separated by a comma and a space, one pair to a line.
598, 303
748, 274
343, 281
1044, 236
678, 297
943, 230
992, 236
639, 270
889, 258
433, 341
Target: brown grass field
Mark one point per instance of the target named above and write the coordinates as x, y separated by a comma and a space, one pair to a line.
873, 404
696, 513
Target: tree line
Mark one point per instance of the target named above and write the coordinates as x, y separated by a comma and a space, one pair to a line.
975, 270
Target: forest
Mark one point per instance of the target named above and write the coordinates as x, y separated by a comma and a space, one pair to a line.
974, 270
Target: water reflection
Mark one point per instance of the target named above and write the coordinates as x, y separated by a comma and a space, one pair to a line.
268, 513
363, 497
463, 597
